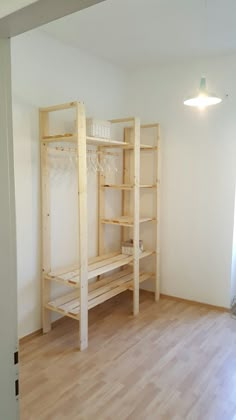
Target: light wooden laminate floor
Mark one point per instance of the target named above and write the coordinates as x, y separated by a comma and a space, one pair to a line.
174, 361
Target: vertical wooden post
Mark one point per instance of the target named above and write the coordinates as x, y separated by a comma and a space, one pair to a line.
136, 214
46, 222
101, 215
126, 180
83, 224
158, 177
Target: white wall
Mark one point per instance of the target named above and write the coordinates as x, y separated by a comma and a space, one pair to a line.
198, 163
47, 72
198, 175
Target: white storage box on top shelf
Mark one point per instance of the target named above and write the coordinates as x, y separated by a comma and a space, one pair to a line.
98, 128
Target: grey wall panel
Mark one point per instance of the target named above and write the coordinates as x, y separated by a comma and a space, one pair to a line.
40, 13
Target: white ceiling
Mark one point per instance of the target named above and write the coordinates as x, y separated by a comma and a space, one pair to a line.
10, 6
135, 32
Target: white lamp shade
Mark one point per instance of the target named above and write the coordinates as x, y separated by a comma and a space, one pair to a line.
204, 98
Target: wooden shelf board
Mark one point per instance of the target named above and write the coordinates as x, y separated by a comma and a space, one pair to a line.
71, 268
126, 221
59, 107
151, 276
146, 254
142, 147
127, 146
105, 142
127, 186
96, 266
98, 293
69, 137
122, 120
60, 311
152, 125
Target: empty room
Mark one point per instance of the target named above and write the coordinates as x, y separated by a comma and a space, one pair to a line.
117, 228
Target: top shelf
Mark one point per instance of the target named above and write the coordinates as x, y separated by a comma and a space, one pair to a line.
90, 140
96, 141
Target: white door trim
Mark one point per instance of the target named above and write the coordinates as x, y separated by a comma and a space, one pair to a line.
30, 17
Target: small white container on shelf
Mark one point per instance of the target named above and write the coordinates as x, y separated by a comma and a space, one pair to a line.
98, 128
128, 247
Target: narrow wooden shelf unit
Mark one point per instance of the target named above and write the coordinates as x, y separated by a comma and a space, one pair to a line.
95, 280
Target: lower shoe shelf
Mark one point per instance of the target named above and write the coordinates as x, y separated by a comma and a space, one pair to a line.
96, 266
98, 292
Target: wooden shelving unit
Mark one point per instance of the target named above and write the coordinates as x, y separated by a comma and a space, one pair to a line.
113, 273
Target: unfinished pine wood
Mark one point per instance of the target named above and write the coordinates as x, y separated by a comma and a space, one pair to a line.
128, 156
57, 305
126, 181
152, 125
126, 220
95, 267
83, 223
175, 361
155, 129
66, 137
46, 223
77, 277
105, 142
59, 107
105, 289
96, 141
122, 120
136, 217
91, 260
144, 147
101, 208
157, 166
158, 212
126, 186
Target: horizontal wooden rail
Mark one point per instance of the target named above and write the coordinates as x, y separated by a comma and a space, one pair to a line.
60, 107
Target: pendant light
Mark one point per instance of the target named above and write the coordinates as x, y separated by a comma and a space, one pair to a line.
203, 97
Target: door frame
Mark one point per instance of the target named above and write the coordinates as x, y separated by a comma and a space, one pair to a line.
30, 17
